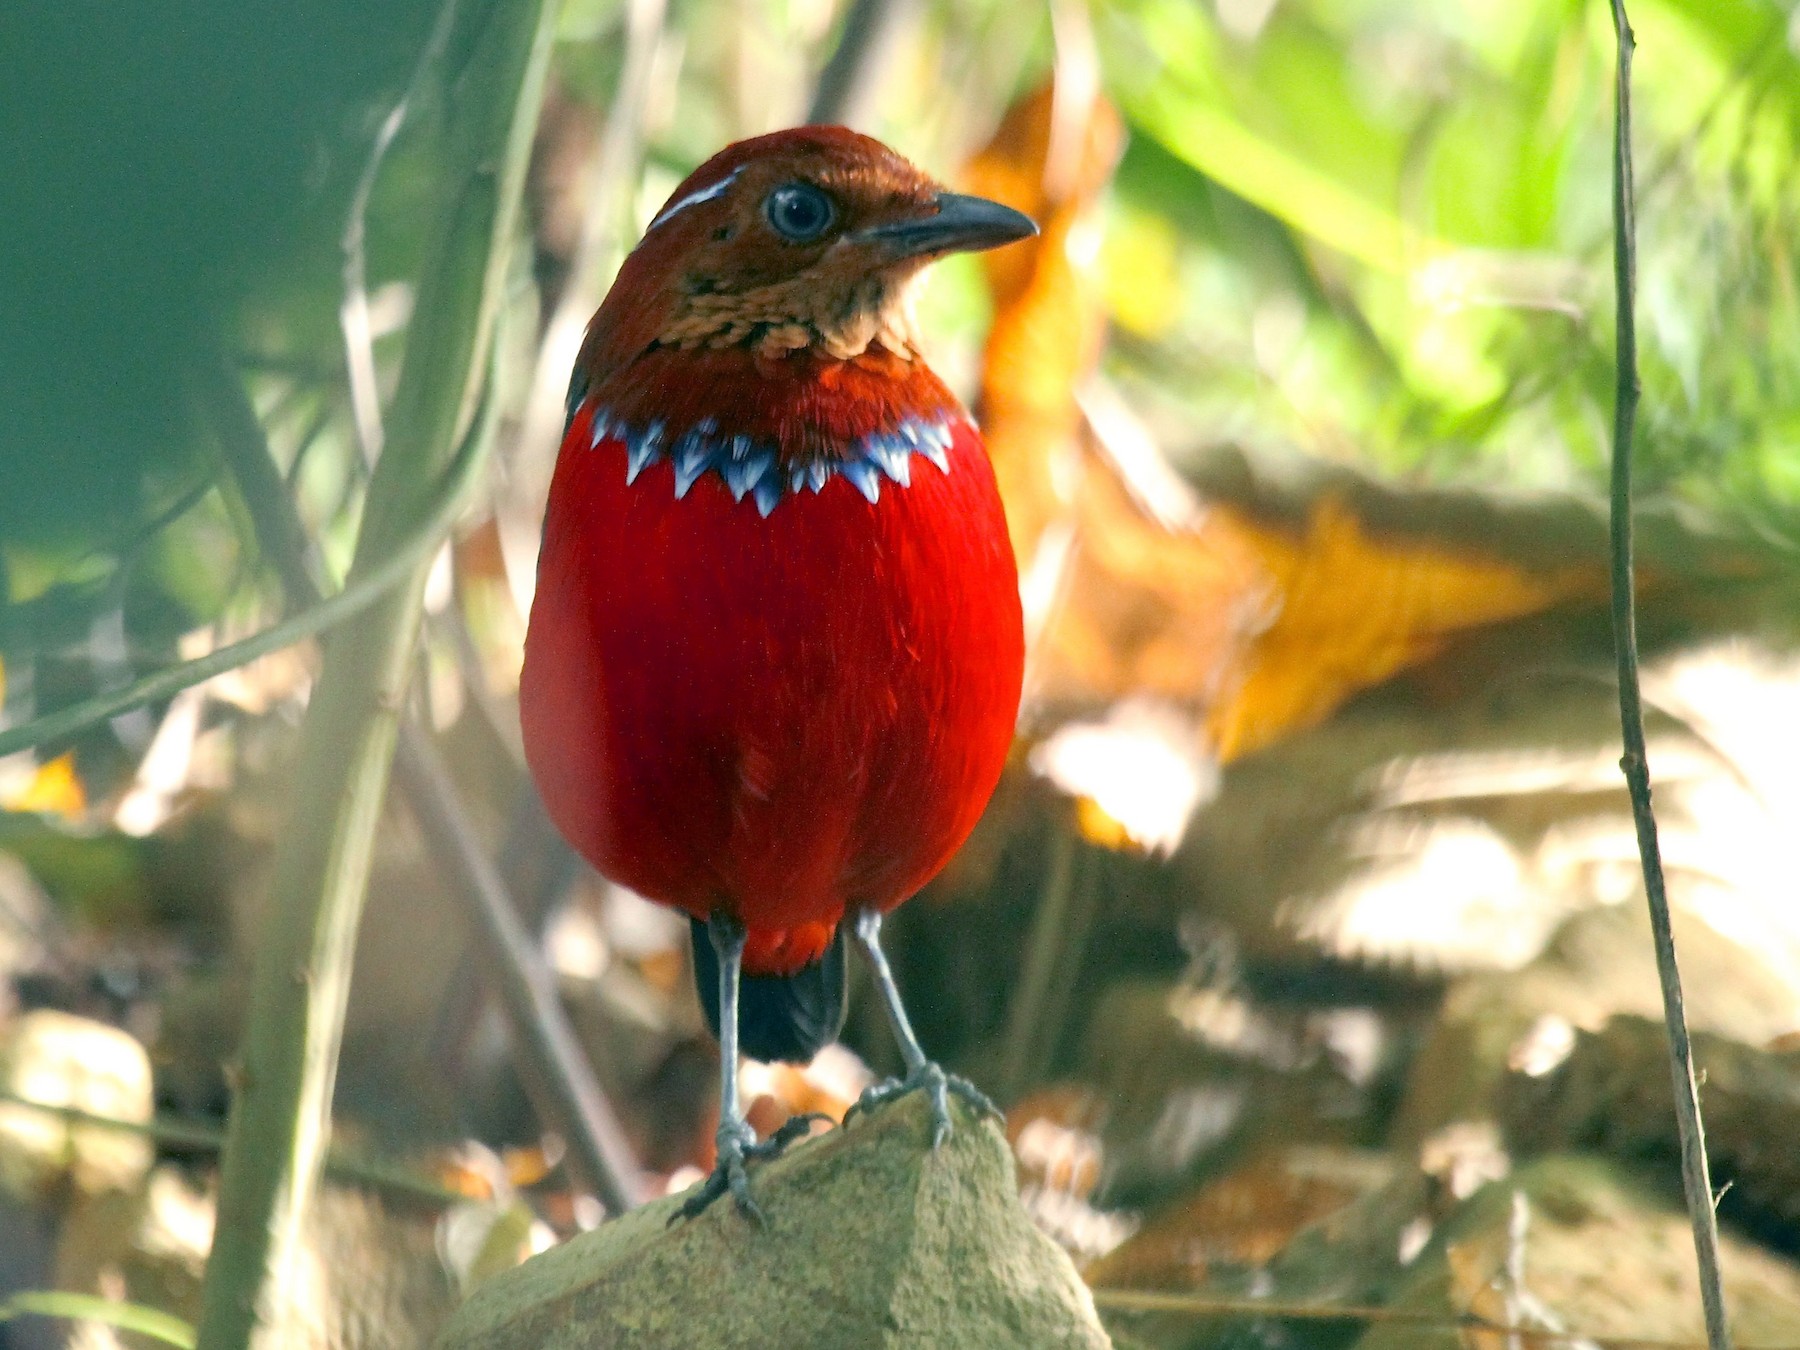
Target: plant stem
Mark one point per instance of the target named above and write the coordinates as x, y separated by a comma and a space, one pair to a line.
362, 591
281, 1112
557, 1075
1695, 1177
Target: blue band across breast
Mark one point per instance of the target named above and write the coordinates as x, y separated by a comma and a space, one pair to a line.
751, 468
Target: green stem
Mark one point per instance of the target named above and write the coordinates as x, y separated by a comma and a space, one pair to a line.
160, 1326
553, 1069
280, 1116
398, 565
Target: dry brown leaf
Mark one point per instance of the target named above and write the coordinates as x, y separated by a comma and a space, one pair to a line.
1243, 1219
1354, 608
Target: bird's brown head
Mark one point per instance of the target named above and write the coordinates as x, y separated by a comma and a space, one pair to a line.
806, 239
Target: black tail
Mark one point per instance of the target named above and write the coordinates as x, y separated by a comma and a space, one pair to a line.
780, 1017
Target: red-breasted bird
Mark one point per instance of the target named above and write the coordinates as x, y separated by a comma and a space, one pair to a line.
775, 654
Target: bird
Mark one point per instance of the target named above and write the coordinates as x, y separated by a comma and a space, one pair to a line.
774, 657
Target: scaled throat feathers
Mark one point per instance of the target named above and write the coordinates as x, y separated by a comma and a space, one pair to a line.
803, 312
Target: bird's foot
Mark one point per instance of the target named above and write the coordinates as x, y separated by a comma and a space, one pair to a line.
941, 1086
738, 1147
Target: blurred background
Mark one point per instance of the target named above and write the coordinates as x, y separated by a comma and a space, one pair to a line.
1303, 941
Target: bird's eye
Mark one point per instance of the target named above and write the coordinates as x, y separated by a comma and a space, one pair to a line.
799, 212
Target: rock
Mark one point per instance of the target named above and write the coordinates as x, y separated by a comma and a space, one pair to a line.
1571, 1244
1611, 1095
873, 1240
57, 1059
1599, 964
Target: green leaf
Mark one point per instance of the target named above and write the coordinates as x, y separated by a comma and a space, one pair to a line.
153, 1322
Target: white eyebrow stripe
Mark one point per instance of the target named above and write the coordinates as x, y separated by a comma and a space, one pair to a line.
705, 194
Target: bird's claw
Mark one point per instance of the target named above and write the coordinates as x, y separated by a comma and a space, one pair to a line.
931, 1079
738, 1146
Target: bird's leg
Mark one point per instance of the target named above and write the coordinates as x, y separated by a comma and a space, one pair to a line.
736, 1141
921, 1073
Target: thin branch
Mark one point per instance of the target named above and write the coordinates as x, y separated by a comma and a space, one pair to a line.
1205, 1305
201, 1137
604, 225
1696, 1179
863, 41
1054, 942
280, 535
539, 869
353, 314
563, 1086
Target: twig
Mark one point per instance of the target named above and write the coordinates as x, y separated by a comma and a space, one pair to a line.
562, 1080
539, 869
1056, 938
862, 41
1696, 1179
604, 225
218, 392
281, 1107
353, 314
559, 1079
1204, 1305
193, 1134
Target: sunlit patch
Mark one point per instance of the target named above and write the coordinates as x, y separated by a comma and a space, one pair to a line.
1454, 888
1545, 1045
166, 770
1138, 774
826, 1085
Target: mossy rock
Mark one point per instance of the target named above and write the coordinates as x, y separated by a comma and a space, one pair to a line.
873, 1241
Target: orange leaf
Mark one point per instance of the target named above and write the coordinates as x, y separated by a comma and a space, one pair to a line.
54, 790
1352, 609
1049, 313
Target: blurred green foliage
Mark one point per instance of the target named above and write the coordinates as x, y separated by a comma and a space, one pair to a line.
1369, 230
168, 169
1424, 282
